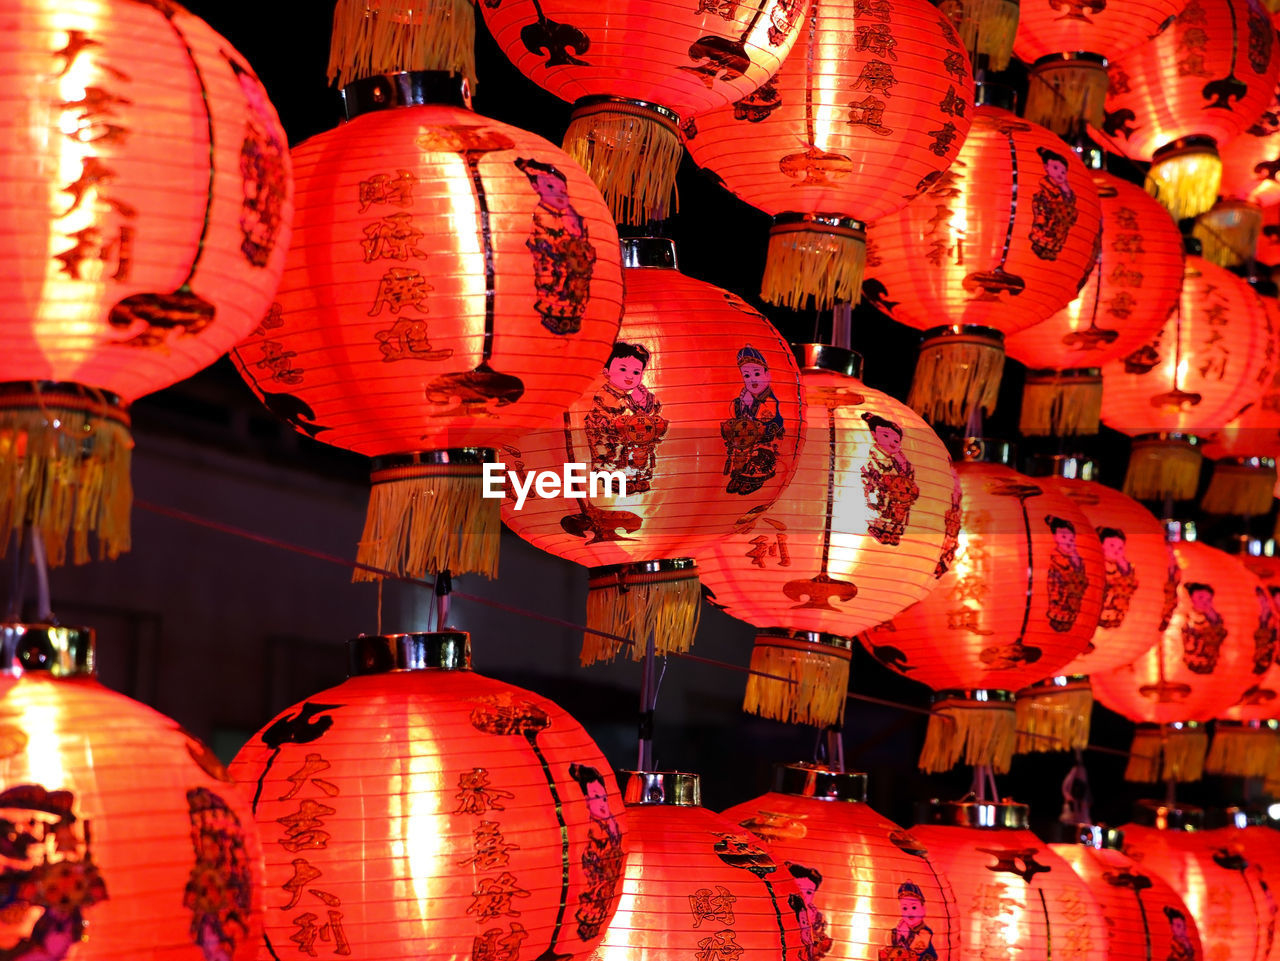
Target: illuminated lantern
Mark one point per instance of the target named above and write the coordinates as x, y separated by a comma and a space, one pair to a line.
146, 215
1001, 241
1021, 600
383, 36
635, 73
113, 849
453, 283
1127, 298
1017, 898
875, 892
697, 885
869, 110
698, 410
1228, 232
811, 579
1054, 715
1197, 373
1177, 98
465, 801
1145, 916
1222, 890
1251, 161
1246, 833
1201, 664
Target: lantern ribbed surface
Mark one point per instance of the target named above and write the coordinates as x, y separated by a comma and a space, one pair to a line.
1260, 846
433, 811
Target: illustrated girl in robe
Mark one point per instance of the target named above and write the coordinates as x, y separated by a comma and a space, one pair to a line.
262, 170
911, 939
950, 529
813, 926
1053, 207
563, 256
1121, 579
751, 434
1264, 635
602, 857
1203, 631
889, 481
625, 424
1181, 947
1173, 577
1067, 577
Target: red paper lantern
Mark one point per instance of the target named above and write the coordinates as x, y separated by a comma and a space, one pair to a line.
482, 817
857, 122
1199, 83
1201, 664
1247, 835
1127, 298
1017, 898
874, 891
972, 250
697, 885
698, 407
812, 579
125, 837
634, 74
1251, 160
1021, 600
146, 216
1145, 917
454, 282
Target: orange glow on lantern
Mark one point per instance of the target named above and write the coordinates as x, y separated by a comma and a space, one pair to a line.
1250, 161
466, 801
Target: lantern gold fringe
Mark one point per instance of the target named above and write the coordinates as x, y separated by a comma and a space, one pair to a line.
1167, 754
1186, 183
1229, 233
1273, 6
1239, 490
1052, 718
635, 605
1060, 404
1162, 468
64, 469
387, 36
818, 673
985, 27
813, 263
1062, 94
954, 374
430, 518
1242, 750
632, 153
977, 733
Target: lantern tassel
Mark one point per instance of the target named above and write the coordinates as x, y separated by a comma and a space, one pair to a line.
1239, 489
1162, 467
635, 602
1185, 178
632, 152
1061, 404
427, 518
1052, 718
986, 27
1243, 751
1064, 93
815, 263
817, 669
956, 374
64, 469
1229, 233
371, 37
1167, 754
977, 732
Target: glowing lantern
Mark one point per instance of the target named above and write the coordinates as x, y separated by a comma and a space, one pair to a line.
453, 283
1054, 715
972, 252
1016, 896
1251, 161
635, 73
109, 853
1198, 372
1145, 916
875, 892
1201, 664
146, 216
1177, 98
466, 802
812, 579
1021, 600
1127, 298
698, 411
1246, 835
697, 885
858, 121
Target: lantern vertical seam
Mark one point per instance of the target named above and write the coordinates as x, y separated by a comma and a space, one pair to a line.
532, 738
808, 83
1146, 925
831, 472
1048, 926
777, 913
486, 243
1013, 199
1031, 579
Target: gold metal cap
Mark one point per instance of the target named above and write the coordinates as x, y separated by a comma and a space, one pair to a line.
649, 252
995, 815
46, 648
426, 651
1168, 817
410, 88
981, 450
820, 782
841, 360
1068, 466
673, 788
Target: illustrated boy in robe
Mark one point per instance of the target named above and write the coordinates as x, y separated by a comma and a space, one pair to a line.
951, 521
1203, 631
1264, 635
911, 939
750, 435
625, 424
1173, 577
889, 481
1053, 207
1121, 579
813, 926
563, 256
1181, 947
602, 857
1067, 577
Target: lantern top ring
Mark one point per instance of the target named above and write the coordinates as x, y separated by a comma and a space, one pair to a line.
682, 566
1099, 837
820, 783
1068, 466
840, 360
649, 252
982, 450
1075, 56
410, 88
835, 223
1250, 463
454, 456
584, 106
996, 815
962, 334
1062, 682
425, 651
1168, 817
47, 648
60, 396
672, 788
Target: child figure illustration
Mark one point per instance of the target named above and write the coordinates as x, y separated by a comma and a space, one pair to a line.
602, 857
625, 424
750, 435
563, 256
1121, 579
1203, 631
889, 481
1067, 578
1180, 945
262, 170
1053, 207
814, 943
1264, 635
911, 939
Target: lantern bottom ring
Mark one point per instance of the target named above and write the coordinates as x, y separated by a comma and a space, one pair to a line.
820, 783
410, 88
1062, 682
996, 815
840, 360
1163, 816
1098, 837
585, 106
424, 651
982, 450
1074, 56
835, 644
1196, 143
458, 457
38, 394
642, 572
967, 333
834, 223
986, 697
